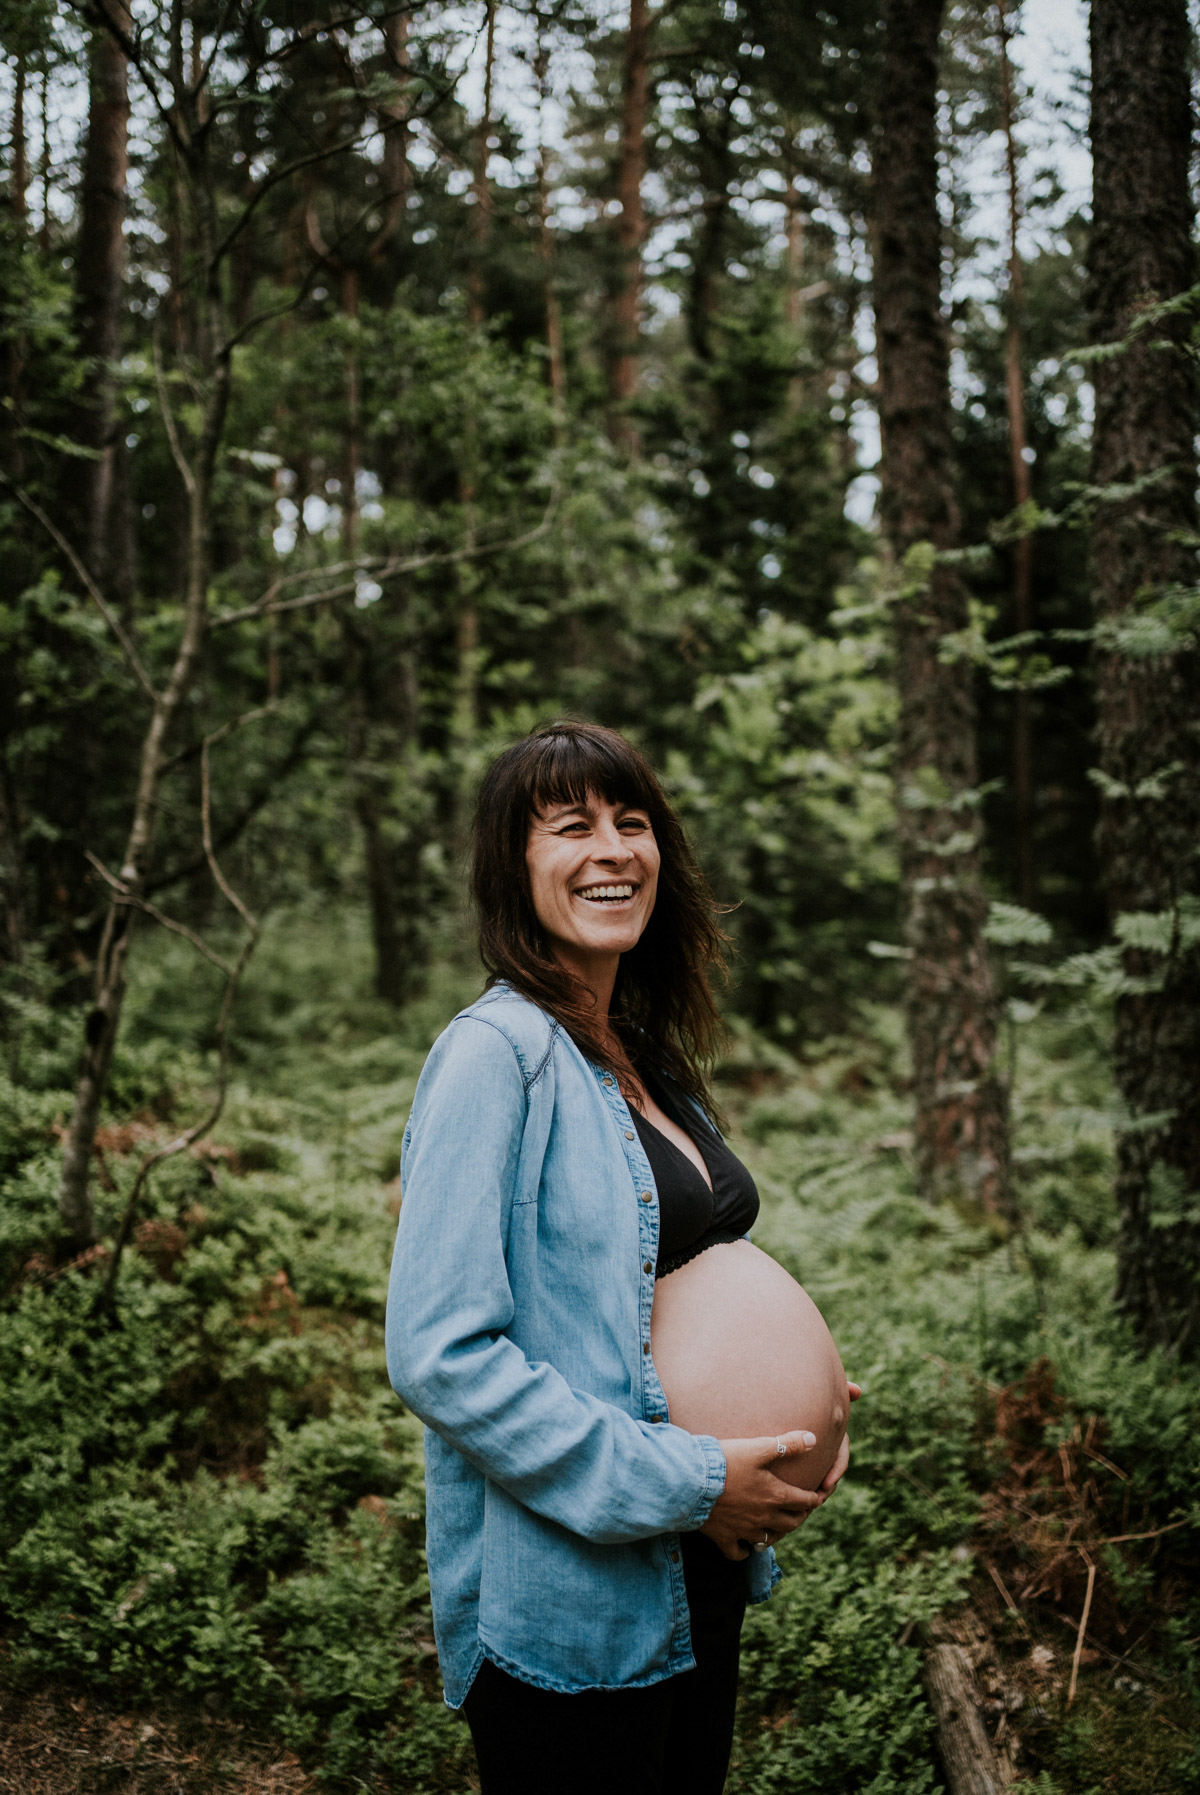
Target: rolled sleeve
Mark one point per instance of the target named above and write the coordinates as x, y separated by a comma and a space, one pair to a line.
570, 1456
714, 1480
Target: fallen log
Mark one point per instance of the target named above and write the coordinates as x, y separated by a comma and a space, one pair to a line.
968, 1756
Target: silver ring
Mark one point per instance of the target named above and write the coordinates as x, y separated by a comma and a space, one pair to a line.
780, 1448
760, 1545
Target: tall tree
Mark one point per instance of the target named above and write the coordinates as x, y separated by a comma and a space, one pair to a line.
1018, 439
961, 1111
555, 368
631, 223
99, 272
1143, 545
481, 189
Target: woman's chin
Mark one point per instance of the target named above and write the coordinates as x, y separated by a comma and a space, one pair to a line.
605, 934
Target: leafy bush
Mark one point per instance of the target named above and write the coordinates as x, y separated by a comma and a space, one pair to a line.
219, 1498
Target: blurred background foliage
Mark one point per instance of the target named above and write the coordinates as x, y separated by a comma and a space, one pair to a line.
433, 434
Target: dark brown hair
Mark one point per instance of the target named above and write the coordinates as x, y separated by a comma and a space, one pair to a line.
662, 1008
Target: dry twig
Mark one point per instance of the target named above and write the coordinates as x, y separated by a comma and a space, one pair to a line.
379, 568
190, 1136
1083, 1621
89, 585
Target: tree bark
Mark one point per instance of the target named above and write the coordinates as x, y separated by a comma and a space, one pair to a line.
18, 185
11, 919
370, 777
631, 226
15, 345
556, 367
961, 1111
708, 261
1149, 745
394, 170
1014, 369
44, 165
212, 370
99, 276
481, 217
967, 1755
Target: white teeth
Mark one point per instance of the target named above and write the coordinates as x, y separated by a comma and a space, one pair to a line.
606, 891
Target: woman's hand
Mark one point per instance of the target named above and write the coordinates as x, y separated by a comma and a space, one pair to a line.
839, 1466
756, 1507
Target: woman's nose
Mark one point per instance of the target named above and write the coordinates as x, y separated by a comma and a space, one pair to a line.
611, 844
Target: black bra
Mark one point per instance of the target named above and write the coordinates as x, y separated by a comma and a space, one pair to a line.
691, 1216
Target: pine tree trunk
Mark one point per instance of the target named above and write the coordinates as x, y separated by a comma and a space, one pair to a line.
481, 217
369, 777
1018, 439
394, 172
11, 919
631, 225
11, 445
556, 367
18, 184
99, 275
961, 1119
1146, 421
44, 165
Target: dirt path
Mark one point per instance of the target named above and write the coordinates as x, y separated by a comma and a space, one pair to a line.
54, 1743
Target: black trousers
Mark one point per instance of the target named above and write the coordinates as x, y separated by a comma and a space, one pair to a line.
670, 1738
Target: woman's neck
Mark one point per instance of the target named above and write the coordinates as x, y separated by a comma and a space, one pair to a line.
598, 974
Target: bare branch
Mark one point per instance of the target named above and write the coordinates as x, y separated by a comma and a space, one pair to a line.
206, 67
125, 896
1082, 1634
325, 258
149, 71
190, 1136
168, 418
210, 741
382, 569
183, 1141
93, 591
1119, 1539
261, 794
273, 180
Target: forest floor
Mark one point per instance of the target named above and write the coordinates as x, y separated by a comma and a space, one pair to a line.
59, 1743
211, 1573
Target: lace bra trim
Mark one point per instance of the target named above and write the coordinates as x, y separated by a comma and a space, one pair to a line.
720, 1237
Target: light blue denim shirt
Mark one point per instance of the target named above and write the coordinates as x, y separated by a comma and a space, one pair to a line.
518, 1329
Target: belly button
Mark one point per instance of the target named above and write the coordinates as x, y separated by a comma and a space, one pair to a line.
837, 1417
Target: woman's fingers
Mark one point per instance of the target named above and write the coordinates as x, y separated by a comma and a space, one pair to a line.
793, 1445
855, 1391
755, 1501
838, 1469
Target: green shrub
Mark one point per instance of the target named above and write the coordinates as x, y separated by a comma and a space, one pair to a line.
219, 1496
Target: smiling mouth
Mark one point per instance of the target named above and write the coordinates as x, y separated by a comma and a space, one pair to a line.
605, 894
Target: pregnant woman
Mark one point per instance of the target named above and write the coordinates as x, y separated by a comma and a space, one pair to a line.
623, 1398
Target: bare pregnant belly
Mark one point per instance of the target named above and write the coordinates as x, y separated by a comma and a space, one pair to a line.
742, 1350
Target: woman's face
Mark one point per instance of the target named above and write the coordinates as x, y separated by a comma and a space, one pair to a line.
593, 872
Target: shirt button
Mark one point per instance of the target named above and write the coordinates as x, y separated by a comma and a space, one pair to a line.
648, 1268
646, 1196
656, 1417
629, 1134
645, 1346
607, 1081
674, 1558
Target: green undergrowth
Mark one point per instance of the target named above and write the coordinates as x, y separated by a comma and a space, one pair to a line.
219, 1500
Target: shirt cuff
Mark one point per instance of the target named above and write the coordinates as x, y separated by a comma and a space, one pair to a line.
714, 1480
